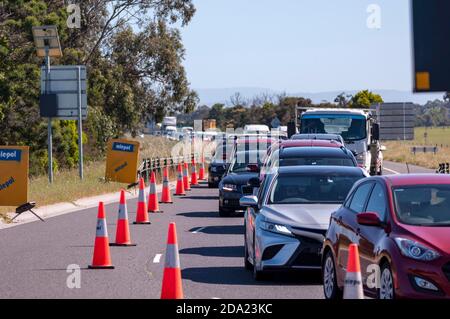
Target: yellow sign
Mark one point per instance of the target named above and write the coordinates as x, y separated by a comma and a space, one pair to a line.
14, 162
122, 161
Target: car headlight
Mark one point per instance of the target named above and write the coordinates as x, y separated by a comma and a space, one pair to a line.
229, 187
414, 250
275, 228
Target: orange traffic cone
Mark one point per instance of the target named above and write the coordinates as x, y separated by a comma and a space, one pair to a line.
171, 284
142, 214
153, 206
353, 288
165, 196
179, 191
102, 256
201, 173
122, 230
194, 180
187, 186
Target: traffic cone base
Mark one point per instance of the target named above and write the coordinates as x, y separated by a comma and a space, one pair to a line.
100, 267
165, 202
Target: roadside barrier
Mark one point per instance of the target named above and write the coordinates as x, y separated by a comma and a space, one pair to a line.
353, 288
165, 196
179, 191
444, 168
153, 206
141, 213
171, 283
102, 256
194, 180
122, 228
187, 186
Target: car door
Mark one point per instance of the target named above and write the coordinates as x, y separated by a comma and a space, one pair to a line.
348, 224
369, 236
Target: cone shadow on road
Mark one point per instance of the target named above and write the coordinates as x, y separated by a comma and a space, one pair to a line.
212, 214
225, 251
239, 276
206, 197
220, 230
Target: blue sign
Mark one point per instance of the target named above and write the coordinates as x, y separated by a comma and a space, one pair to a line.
10, 155
122, 147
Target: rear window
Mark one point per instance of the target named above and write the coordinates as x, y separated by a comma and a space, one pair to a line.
311, 189
319, 161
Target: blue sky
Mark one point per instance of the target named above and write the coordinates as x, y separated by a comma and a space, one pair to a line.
298, 45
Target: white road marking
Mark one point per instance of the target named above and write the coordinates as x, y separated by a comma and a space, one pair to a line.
391, 170
157, 258
198, 230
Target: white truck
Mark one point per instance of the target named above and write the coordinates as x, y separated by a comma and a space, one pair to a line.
358, 128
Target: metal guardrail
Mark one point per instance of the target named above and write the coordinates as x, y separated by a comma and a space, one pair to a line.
157, 164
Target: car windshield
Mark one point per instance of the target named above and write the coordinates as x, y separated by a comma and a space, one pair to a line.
319, 161
313, 189
423, 205
350, 127
249, 161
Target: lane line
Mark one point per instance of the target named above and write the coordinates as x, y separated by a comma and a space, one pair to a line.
198, 230
157, 258
391, 170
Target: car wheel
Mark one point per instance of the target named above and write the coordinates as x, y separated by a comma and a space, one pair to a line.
224, 212
248, 265
329, 280
386, 290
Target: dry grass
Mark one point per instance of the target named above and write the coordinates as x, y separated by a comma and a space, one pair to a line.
68, 187
400, 151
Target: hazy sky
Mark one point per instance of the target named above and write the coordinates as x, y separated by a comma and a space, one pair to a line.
298, 45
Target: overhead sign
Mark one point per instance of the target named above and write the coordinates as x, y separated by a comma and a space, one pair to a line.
431, 34
14, 175
65, 82
122, 161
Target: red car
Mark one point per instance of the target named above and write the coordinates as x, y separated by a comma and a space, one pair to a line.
401, 224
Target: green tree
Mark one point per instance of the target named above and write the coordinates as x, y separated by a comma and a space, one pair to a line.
364, 99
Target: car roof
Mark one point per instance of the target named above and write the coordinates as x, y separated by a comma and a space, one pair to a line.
316, 169
315, 151
416, 179
310, 143
317, 136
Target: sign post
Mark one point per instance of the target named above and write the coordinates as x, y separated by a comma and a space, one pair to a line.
80, 126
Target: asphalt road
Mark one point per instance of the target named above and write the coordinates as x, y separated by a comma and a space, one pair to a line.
35, 256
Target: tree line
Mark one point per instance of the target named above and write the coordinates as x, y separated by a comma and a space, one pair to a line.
133, 52
263, 108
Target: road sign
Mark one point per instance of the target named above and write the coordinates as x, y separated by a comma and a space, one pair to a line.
275, 123
396, 120
431, 34
122, 161
14, 175
65, 82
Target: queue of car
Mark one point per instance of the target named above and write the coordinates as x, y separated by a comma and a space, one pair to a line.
306, 199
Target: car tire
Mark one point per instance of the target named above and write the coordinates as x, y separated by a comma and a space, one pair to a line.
386, 290
380, 171
224, 212
211, 185
331, 290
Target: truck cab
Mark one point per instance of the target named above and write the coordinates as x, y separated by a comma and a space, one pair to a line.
357, 127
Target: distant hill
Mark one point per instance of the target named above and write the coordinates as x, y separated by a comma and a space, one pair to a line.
211, 96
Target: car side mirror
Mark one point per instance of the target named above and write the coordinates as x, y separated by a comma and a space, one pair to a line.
254, 182
368, 219
248, 201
